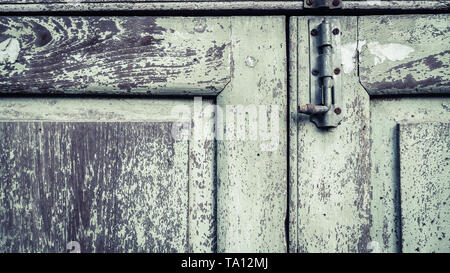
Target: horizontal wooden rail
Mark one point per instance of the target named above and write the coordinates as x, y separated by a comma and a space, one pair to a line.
146, 5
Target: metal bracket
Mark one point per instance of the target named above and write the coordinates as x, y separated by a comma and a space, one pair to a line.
325, 106
316, 4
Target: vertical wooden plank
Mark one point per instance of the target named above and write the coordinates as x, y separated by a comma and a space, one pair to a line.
425, 186
202, 185
333, 165
294, 44
252, 182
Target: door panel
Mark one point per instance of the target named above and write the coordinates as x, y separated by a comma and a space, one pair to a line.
225, 58
387, 206
425, 186
121, 185
346, 192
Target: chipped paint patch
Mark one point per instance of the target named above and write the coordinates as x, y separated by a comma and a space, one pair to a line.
251, 61
349, 52
9, 51
390, 51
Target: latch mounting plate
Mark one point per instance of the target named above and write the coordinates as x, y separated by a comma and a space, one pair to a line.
317, 4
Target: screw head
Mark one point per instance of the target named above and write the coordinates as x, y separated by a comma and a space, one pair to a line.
336, 3
336, 31
338, 111
314, 32
315, 72
309, 2
337, 71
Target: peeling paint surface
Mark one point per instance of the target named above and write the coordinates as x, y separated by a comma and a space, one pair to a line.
425, 186
390, 52
349, 53
404, 54
114, 55
386, 206
78, 187
105, 174
333, 196
252, 183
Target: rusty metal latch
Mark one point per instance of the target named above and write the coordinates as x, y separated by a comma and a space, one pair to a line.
325, 74
317, 4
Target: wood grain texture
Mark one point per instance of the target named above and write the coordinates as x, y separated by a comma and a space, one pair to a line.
114, 187
404, 54
186, 6
203, 5
293, 133
124, 55
385, 115
425, 186
252, 173
333, 183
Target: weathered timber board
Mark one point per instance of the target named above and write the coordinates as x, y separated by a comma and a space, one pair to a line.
332, 205
404, 54
132, 1
252, 173
124, 55
112, 186
425, 186
202, 5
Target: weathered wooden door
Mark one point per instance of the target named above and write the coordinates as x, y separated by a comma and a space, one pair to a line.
380, 181
88, 152
92, 108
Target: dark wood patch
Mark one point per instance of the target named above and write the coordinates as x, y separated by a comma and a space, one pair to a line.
131, 55
112, 186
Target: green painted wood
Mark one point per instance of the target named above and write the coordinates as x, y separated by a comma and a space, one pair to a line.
425, 188
386, 204
203, 5
252, 174
114, 55
132, 1
203, 188
333, 185
404, 54
106, 173
293, 134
